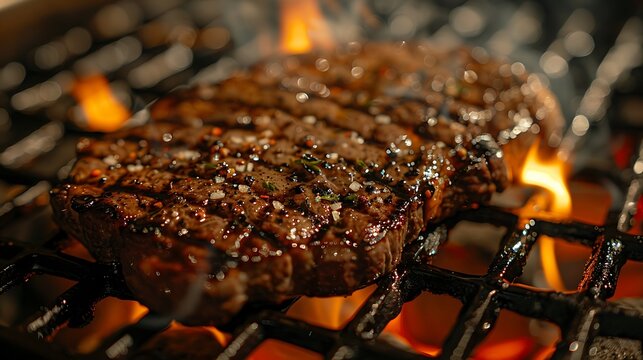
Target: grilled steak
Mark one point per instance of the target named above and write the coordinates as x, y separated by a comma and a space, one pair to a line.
302, 176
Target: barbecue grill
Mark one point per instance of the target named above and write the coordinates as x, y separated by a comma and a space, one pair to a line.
147, 48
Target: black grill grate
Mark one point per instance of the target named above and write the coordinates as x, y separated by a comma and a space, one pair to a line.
581, 315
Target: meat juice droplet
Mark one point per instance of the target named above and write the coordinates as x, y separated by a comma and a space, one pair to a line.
301, 97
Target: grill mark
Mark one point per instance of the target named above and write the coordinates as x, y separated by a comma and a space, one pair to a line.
322, 149
318, 234
247, 108
489, 68
373, 176
163, 196
186, 239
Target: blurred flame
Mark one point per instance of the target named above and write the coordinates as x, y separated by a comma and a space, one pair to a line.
506, 350
303, 27
111, 315
397, 329
218, 335
221, 337
102, 110
331, 313
549, 174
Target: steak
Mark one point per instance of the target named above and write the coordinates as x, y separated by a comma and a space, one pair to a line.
305, 175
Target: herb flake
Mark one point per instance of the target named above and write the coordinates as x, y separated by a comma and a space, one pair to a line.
309, 163
350, 198
330, 197
269, 186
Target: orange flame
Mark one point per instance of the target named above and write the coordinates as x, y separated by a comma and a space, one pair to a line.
506, 350
332, 312
549, 174
111, 314
397, 329
303, 27
103, 112
221, 337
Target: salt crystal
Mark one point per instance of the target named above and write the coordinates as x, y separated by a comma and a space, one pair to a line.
219, 179
336, 206
244, 188
216, 195
309, 119
134, 168
277, 205
382, 119
110, 160
188, 155
355, 186
335, 215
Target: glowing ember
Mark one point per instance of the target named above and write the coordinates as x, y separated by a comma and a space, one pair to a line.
221, 337
111, 314
303, 27
101, 109
549, 174
332, 312
512, 349
397, 329
278, 350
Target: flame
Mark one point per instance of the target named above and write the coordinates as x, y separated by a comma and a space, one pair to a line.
332, 312
549, 174
111, 315
101, 109
221, 337
506, 350
397, 329
303, 27
271, 349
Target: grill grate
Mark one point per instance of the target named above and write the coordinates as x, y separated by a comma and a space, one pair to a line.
582, 315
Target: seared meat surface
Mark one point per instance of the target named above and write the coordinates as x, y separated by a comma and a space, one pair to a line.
306, 175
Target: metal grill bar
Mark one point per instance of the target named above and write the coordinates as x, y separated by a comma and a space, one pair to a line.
582, 315
16, 345
132, 336
484, 296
